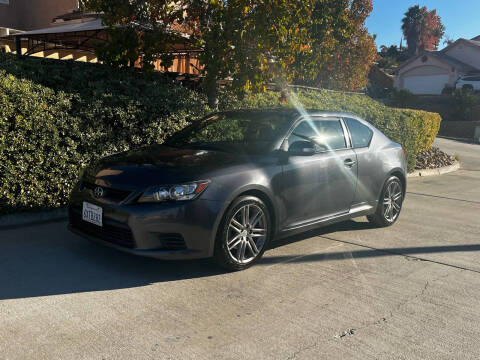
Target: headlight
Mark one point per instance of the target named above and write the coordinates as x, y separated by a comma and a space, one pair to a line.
174, 193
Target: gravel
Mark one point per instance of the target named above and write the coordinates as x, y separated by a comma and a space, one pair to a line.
433, 159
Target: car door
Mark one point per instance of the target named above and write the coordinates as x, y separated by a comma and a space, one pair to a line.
321, 184
367, 162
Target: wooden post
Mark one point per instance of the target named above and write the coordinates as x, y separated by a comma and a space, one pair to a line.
18, 44
187, 63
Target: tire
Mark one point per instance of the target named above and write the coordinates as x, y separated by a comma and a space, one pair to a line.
239, 245
467, 87
389, 205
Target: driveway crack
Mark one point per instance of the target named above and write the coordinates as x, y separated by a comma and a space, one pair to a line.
398, 307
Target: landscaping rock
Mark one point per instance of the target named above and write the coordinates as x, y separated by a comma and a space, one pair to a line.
433, 159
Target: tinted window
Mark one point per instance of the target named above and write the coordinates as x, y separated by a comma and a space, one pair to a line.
361, 134
231, 128
326, 134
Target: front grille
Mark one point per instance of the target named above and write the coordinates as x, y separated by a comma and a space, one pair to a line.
172, 242
112, 231
116, 195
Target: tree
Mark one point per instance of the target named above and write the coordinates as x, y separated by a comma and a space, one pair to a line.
391, 56
252, 42
348, 66
278, 41
412, 25
448, 40
137, 30
388, 51
422, 29
432, 31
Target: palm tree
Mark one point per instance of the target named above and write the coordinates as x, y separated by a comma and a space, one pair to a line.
448, 40
412, 25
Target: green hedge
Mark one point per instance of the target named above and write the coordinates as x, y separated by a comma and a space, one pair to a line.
57, 116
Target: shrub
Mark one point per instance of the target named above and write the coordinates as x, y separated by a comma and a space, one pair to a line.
448, 89
464, 100
56, 117
48, 133
401, 98
39, 157
377, 91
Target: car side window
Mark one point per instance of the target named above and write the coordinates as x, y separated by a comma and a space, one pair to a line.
326, 134
361, 134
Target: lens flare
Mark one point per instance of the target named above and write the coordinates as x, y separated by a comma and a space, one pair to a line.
352, 176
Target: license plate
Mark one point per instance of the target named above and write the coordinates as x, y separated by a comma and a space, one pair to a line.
92, 213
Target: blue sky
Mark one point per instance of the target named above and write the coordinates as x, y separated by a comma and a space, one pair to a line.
460, 17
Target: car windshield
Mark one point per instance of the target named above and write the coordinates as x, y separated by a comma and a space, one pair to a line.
230, 131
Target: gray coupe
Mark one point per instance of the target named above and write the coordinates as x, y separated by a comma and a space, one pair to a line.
231, 183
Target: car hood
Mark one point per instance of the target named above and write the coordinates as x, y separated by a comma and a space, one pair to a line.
159, 165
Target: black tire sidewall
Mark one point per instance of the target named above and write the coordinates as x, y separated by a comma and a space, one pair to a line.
221, 254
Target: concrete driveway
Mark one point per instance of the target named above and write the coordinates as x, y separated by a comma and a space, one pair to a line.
344, 292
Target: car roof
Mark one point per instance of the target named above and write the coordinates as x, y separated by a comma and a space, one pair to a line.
294, 113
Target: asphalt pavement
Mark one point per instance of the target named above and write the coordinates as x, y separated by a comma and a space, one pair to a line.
347, 291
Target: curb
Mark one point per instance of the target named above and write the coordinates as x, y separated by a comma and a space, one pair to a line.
13, 221
435, 172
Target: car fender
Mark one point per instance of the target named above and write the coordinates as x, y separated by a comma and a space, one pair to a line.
229, 200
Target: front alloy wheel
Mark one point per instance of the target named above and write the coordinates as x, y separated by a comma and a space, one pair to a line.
244, 234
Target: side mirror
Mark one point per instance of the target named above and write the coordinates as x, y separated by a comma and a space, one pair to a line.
302, 148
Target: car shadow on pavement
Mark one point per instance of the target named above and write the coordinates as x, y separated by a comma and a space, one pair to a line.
48, 260
363, 251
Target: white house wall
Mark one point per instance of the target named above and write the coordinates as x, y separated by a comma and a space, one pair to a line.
469, 54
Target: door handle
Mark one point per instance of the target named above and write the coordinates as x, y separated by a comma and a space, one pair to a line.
349, 162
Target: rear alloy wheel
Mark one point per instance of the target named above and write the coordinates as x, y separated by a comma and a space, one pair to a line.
390, 204
244, 234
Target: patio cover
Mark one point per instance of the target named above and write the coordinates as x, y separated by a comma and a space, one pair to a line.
79, 36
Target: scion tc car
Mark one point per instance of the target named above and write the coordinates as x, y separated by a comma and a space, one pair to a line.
232, 182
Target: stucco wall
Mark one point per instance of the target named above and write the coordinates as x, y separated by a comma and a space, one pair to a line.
468, 54
427, 70
33, 14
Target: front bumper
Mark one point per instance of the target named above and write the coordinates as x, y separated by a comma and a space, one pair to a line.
175, 230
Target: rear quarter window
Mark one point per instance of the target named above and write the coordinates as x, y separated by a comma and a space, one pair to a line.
361, 134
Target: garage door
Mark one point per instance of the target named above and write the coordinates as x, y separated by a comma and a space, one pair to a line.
425, 85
